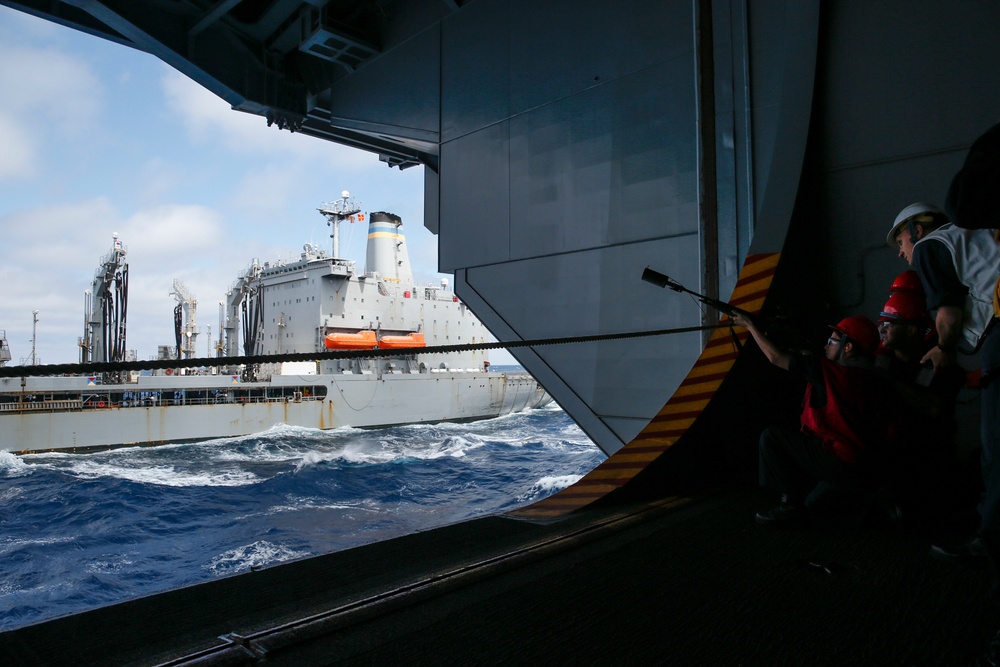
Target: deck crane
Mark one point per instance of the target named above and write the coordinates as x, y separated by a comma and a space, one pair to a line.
185, 316
244, 312
106, 307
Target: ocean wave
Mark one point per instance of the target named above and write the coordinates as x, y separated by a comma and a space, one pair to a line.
359, 485
555, 483
548, 485
391, 449
454, 446
12, 465
10, 545
297, 504
250, 557
353, 453
10, 494
163, 475
112, 566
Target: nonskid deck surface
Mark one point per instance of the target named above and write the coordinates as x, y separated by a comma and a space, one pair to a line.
694, 584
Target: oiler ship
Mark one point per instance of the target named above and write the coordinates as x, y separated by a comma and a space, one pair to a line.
320, 302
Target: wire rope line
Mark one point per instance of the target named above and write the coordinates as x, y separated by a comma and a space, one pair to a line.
157, 364
346, 400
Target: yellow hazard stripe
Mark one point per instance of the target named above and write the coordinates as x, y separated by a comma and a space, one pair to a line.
680, 411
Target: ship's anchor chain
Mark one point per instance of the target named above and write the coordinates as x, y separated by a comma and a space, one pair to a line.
209, 362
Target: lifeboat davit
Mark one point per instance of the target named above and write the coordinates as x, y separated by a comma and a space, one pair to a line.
362, 340
400, 342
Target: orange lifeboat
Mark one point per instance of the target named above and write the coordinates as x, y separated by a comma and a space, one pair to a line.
362, 340
401, 342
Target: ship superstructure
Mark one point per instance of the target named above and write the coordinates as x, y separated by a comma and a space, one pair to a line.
325, 302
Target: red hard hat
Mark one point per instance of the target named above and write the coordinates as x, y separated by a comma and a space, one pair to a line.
907, 281
904, 306
860, 330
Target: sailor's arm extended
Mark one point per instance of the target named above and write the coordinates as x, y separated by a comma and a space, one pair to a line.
776, 355
949, 328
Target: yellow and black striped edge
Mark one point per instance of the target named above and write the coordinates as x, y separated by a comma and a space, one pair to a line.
679, 413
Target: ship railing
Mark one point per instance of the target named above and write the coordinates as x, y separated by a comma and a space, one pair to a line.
103, 403
42, 406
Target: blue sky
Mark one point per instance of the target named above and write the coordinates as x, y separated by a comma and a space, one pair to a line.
97, 138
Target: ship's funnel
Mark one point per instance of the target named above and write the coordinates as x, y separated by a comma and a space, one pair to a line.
387, 254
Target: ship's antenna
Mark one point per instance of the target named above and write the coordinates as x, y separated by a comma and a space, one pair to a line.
336, 212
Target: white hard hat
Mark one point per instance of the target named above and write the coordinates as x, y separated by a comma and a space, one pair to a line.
912, 211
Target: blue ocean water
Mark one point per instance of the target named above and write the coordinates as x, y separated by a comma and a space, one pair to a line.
79, 531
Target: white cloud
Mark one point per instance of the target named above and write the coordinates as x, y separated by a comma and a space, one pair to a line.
174, 230
17, 151
156, 179
46, 93
50, 88
264, 193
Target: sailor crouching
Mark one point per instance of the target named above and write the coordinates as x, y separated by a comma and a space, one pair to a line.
844, 413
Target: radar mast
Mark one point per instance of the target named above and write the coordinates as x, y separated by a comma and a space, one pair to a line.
335, 213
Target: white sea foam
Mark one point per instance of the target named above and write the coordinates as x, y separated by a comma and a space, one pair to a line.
9, 545
548, 485
316, 458
113, 565
9, 494
251, 556
297, 504
555, 483
12, 465
259, 452
359, 453
164, 475
455, 446
394, 448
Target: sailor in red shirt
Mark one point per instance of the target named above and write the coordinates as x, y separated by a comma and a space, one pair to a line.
842, 417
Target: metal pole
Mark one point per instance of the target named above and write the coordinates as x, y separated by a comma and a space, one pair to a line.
34, 337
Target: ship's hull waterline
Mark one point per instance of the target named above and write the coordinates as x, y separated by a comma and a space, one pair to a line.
163, 412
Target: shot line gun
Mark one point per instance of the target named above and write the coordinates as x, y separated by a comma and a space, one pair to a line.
663, 280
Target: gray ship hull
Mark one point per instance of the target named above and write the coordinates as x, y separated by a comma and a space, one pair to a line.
54, 415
